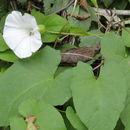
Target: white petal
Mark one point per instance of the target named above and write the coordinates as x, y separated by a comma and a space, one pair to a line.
23, 50
37, 35
30, 21
14, 20
13, 36
17, 34
35, 44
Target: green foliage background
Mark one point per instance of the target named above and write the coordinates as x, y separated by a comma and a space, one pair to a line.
72, 97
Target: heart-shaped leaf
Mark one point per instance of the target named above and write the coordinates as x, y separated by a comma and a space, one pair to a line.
99, 102
53, 23
33, 78
126, 36
38, 115
112, 47
74, 119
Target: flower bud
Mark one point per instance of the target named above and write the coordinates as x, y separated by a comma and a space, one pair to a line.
41, 28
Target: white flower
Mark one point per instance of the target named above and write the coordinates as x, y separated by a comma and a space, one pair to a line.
21, 34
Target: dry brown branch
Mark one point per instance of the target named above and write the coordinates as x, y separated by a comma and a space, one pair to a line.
98, 66
109, 11
13, 4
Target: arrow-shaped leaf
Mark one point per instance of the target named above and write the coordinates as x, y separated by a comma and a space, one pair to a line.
99, 102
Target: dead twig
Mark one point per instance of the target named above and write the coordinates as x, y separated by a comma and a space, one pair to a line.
36, 7
112, 16
100, 11
98, 66
29, 6
13, 4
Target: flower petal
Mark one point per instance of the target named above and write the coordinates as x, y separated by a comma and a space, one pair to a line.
14, 20
36, 44
13, 36
30, 21
23, 50
21, 34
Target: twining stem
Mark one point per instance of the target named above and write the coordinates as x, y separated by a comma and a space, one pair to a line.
59, 35
59, 39
74, 34
62, 33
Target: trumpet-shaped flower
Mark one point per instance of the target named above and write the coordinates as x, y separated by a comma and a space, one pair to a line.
21, 34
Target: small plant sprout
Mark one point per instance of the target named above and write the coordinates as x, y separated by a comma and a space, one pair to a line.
21, 34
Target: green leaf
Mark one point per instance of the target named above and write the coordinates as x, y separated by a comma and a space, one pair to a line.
116, 51
83, 24
90, 40
58, 5
119, 4
2, 22
67, 123
47, 5
67, 47
47, 117
53, 23
9, 56
125, 116
17, 123
54, 5
112, 47
126, 112
74, 119
126, 36
3, 7
61, 85
78, 31
107, 3
99, 102
95, 3
3, 45
32, 78
55, 26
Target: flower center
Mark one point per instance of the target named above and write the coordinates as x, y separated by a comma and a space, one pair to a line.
31, 31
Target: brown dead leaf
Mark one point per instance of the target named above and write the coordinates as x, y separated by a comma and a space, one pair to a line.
80, 17
30, 119
84, 4
83, 54
30, 123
